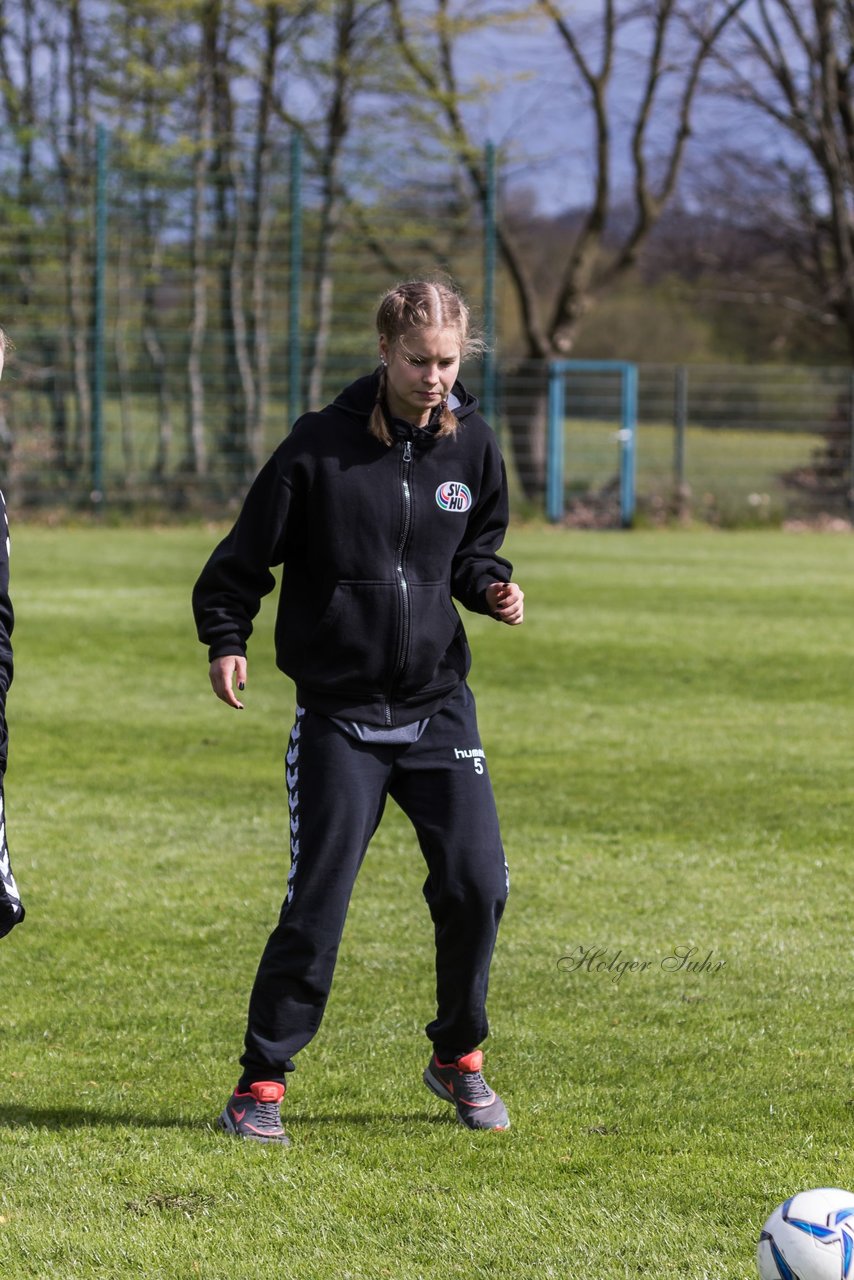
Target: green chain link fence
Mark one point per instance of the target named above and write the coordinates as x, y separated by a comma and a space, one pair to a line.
167, 335
169, 328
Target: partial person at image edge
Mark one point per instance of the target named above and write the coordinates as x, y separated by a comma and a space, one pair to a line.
380, 507
11, 909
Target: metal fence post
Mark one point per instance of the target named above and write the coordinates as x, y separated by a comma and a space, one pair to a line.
680, 418
628, 434
98, 319
555, 458
489, 246
295, 283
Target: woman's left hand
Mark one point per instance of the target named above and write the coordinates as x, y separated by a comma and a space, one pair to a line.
506, 602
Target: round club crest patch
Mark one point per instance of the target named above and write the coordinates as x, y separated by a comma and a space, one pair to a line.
453, 495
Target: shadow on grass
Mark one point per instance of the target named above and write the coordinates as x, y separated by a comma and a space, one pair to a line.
18, 1117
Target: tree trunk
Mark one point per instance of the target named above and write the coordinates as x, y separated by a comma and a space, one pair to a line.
154, 346
525, 406
157, 358
75, 166
337, 124
239, 384
238, 345
78, 294
54, 355
196, 453
7, 446
259, 224
120, 333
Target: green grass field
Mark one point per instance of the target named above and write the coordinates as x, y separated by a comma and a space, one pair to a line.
670, 737
735, 476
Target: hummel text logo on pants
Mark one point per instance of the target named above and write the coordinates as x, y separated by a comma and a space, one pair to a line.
476, 754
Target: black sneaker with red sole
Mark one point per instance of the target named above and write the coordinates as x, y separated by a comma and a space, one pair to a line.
255, 1114
461, 1082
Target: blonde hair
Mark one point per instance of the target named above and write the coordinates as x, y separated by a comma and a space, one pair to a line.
420, 304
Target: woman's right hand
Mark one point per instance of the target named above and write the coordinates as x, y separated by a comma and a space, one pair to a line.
223, 672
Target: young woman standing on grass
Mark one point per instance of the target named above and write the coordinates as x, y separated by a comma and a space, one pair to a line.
380, 508
11, 910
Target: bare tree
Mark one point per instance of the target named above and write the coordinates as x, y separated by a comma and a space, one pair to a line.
260, 217
794, 63
196, 452
344, 19
75, 168
671, 42
352, 32
243, 211
121, 329
22, 47
226, 171
18, 45
72, 135
346, 32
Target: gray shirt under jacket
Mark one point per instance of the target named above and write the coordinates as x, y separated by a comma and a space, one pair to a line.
371, 733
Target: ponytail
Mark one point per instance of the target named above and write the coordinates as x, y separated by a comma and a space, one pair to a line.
447, 421
377, 424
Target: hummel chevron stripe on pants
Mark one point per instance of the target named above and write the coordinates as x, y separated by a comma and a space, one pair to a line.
11, 911
337, 789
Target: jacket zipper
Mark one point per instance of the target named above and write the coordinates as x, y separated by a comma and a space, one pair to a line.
402, 584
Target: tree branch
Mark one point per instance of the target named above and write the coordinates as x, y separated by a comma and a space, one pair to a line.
447, 99
649, 203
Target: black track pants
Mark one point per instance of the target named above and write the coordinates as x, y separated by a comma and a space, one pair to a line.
337, 789
11, 911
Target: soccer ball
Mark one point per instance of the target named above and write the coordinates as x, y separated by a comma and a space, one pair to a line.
809, 1237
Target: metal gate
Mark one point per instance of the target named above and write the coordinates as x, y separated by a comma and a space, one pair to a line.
592, 400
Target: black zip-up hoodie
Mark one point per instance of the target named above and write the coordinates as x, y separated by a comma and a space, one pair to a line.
374, 542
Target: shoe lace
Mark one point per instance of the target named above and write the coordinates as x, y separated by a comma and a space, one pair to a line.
476, 1088
267, 1115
